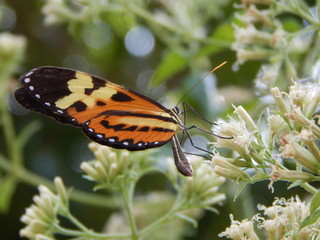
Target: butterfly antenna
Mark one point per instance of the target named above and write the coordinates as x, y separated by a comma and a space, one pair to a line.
194, 86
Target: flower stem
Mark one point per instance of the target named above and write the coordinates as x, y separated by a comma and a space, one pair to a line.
76, 195
90, 234
14, 150
127, 197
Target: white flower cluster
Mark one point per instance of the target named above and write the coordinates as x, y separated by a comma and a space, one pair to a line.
290, 132
41, 218
283, 220
114, 169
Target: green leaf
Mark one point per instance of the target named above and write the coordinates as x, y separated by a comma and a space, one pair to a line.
259, 177
224, 32
170, 65
315, 202
212, 209
310, 219
240, 163
290, 25
188, 219
239, 190
7, 188
221, 38
295, 184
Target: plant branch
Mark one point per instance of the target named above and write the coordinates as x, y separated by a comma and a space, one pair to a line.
33, 179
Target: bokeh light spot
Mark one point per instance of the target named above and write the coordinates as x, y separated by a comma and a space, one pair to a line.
13, 106
97, 35
7, 18
139, 42
76, 62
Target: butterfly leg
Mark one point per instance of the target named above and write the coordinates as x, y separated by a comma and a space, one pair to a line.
186, 105
199, 155
184, 121
196, 147
203, 130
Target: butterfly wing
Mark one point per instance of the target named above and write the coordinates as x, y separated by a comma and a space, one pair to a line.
27, 101
108, 113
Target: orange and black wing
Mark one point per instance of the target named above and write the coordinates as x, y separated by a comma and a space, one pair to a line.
108, 113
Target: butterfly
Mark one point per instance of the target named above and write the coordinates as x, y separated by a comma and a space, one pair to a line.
108, 113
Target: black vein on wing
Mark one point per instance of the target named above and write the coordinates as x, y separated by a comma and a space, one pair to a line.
140, 115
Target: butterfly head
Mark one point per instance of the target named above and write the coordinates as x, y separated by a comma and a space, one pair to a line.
176, 110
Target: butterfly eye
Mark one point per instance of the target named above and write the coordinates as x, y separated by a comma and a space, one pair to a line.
177, 110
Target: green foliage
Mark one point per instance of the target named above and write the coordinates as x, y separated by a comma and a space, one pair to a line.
7, 188
118, 172
170, 65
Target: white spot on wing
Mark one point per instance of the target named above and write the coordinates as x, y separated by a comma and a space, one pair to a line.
48, 104
26, 80
90, 129
31, 88
99, 136
111, 140
156, 143
60, 111
125, 143
37, 96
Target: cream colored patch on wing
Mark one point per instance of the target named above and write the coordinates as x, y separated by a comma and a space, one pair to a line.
104, 92
86, 80
77, 88
147, 122
83, 77
67, 101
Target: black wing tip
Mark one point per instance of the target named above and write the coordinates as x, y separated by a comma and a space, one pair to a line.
42, 69
36, 69
26, 77
24, 98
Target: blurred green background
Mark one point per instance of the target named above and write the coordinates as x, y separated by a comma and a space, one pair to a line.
129, 49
